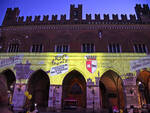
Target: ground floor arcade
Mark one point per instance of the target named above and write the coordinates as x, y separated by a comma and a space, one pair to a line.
83, 81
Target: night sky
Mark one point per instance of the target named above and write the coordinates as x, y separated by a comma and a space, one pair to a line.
49, 7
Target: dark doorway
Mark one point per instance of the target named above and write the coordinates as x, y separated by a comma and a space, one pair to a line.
74, 91
10, 82
38, 87
143, 82
111, 90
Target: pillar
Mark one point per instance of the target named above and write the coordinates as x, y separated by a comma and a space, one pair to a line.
55, 97
19, 97
131, 91
93, 96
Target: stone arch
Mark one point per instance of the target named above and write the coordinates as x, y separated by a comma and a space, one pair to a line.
111, 90
9, 81
14, 45
114, 70
76, 96
143, 82
38, 86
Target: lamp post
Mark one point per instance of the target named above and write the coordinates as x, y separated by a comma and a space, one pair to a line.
141, 90
10, 94
36, 110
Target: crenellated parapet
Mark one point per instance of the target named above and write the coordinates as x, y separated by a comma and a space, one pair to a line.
106, 18
29, 19
37, 18
88, 17
63, 18
20, 19
115, 17
142, 17
124, 18
45, 18
132, 19
54, 18
97, 17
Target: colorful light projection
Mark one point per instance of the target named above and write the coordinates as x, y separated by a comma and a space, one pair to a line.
58, 65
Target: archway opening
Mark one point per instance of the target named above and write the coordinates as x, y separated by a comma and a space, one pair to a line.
111, 90
143, 82
74, 91
38, 87
10, 78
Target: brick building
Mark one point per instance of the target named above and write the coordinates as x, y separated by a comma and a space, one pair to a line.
84, 63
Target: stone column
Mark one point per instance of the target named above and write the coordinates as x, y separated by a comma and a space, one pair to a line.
89, 98
58, 94
97, 95
93, 97
96, 99
50, 99
55, 97
19, 97
131, 91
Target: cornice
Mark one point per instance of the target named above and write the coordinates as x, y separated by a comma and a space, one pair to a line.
75, 27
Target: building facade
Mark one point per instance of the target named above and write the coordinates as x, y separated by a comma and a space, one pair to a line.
89, 64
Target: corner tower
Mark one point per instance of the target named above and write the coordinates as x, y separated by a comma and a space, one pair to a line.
11, 16
75, 13
143, 13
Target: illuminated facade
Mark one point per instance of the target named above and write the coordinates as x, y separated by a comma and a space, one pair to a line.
88, 64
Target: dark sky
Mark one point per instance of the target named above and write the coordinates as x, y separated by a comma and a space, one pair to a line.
49, 7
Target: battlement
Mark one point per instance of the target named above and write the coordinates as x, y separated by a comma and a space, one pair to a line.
72, 6
54, 18
143, 13
145, 7
76, 17
63, 17
10, 10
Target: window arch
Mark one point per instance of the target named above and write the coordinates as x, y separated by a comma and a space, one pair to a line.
13, 45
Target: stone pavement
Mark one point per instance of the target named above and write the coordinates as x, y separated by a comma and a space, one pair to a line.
74, 111
77, 111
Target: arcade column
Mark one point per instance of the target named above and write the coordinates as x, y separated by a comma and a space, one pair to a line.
131, 91
93, 96
55, 97
19, 97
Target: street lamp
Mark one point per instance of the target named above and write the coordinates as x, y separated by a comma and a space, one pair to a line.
10, 93
36, 110
141, 90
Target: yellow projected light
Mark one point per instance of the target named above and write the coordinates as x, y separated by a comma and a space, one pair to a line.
58, 65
